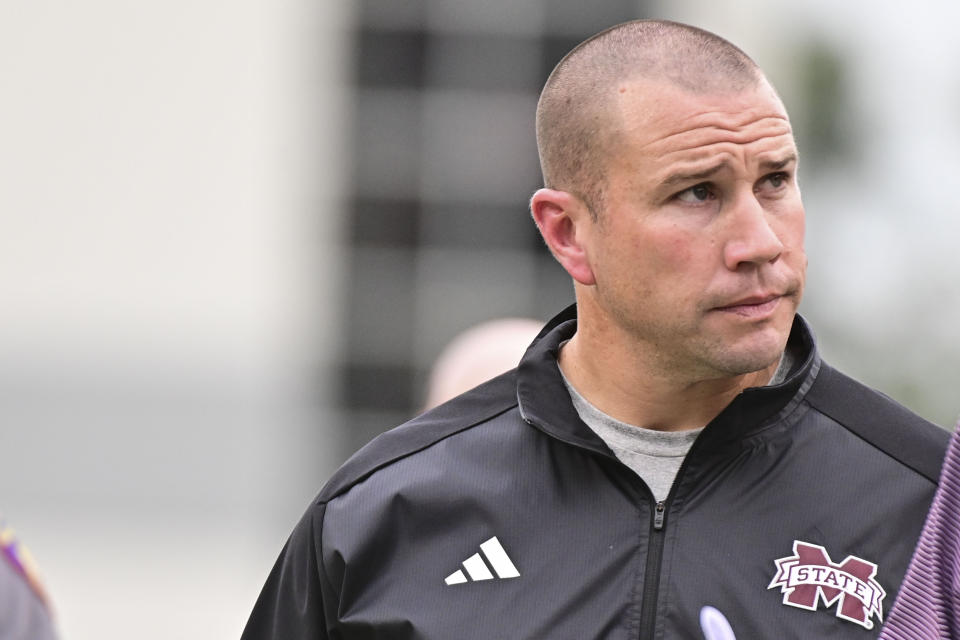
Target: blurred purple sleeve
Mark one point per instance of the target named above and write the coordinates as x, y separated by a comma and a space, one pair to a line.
927, 607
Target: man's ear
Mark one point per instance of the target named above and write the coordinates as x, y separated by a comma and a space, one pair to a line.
564, 221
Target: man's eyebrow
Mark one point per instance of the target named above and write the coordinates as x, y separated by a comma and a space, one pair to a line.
765, 165
777, 165
677, 178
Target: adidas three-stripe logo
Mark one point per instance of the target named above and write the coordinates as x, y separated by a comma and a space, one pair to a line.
477, 569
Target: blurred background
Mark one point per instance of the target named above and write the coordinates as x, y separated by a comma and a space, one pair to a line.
234, 236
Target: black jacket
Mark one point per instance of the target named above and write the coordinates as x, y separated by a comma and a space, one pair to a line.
795, 514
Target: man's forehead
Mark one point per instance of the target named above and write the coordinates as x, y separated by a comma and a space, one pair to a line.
765, 145
649, 112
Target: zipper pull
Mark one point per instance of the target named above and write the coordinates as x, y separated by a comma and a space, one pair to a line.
658, 513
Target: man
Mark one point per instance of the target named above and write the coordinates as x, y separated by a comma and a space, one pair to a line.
671, 445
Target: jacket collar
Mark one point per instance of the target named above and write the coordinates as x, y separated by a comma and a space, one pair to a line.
544, 401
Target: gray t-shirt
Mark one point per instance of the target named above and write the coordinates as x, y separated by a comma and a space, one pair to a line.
654, 455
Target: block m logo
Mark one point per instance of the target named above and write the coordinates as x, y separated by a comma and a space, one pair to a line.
810, 575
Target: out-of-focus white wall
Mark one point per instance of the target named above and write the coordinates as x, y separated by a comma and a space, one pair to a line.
169, 281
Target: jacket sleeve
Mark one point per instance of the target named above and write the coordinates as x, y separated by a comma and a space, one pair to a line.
928, 603
291, 604
23, 611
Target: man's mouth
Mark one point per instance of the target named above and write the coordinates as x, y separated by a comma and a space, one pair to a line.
754, 306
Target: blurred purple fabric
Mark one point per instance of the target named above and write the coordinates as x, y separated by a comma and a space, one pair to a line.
927, 607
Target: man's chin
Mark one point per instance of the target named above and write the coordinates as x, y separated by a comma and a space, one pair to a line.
754, 353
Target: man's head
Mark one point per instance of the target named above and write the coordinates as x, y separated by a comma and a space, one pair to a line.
671, 198
577, 128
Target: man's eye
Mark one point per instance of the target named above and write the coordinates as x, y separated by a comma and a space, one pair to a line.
696, 193
777, 180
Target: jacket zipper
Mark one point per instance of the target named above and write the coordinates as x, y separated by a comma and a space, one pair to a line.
651, 581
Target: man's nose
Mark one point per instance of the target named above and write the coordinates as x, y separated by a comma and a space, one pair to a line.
751, 239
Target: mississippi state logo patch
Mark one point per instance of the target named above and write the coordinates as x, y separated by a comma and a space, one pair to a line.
809, 576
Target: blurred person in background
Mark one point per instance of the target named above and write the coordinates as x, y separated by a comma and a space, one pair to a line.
478, 354
672, 444
24, 607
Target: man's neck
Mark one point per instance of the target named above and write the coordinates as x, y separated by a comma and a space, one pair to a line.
628, 388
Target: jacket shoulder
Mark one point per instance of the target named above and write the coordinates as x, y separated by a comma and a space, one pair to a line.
466, 411
881, 421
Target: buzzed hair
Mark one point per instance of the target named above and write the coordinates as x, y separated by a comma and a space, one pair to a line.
575, 131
